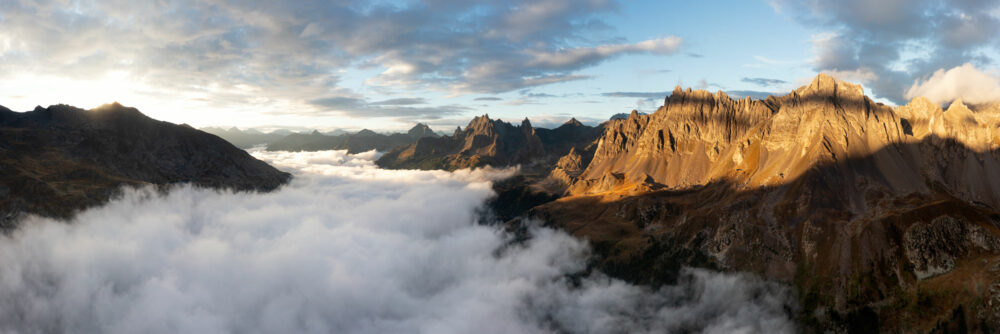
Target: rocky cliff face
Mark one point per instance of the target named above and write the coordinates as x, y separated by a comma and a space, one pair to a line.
879, 215
60, 159
362, 141
485, 141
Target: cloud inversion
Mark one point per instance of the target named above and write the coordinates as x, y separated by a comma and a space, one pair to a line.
346, 248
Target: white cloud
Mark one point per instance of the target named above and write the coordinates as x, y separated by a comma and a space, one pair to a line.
964, 82
860, 75
572, 58
346, 248
897, 40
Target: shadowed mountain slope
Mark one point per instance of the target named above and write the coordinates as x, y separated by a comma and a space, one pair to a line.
61, 159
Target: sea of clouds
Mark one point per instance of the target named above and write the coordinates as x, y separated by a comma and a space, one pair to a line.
345, 248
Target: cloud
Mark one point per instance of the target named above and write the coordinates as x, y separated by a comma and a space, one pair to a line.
753, 94
400, 101
764, 82
858, 75
964, 82
579, 57
288, 53
346, 248
401, 107
488, 98
641, 95
897, 41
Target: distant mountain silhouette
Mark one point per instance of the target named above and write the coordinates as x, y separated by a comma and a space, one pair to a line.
362, 141
249, 138
488, 142
61, 159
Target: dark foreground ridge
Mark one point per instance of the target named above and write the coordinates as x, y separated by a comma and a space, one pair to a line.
58, 160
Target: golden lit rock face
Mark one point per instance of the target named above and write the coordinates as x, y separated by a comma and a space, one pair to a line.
698, 138
864, 208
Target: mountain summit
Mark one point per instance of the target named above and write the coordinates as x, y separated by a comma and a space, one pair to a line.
863, 207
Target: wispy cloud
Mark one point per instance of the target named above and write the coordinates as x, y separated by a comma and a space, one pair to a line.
641, 95
763, 82
401, 108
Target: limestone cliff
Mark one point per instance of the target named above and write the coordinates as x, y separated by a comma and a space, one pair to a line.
881, 215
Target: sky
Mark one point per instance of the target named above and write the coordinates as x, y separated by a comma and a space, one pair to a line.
386, 65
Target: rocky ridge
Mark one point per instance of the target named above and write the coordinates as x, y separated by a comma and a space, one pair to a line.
877, 215
488, 142
58, 160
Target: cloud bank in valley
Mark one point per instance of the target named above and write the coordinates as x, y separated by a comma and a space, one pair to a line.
346, 248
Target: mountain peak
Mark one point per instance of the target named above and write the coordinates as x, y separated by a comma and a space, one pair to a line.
826, 85
572, 122
421, 130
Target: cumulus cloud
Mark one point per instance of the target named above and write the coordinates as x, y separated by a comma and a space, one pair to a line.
894, 42
346, 248
964, 82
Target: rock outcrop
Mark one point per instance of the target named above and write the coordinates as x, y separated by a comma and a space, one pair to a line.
61, 159
876, 214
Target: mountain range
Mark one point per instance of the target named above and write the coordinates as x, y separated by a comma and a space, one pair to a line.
882, 218
286, 140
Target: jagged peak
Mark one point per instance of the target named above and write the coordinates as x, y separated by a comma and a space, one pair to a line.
366, 132
634, 114
419, 127
316, 133
958, 106
958, 103
572, 122
526, 123
824, 84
